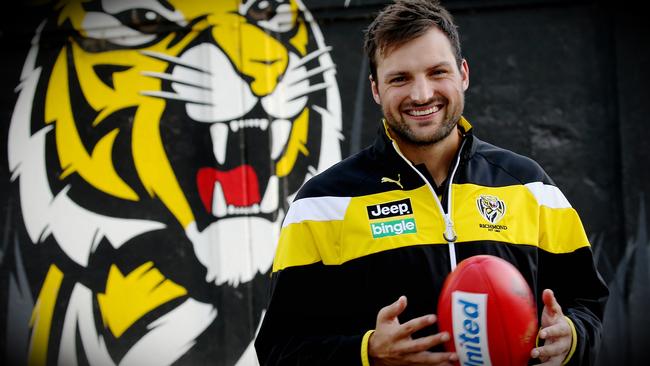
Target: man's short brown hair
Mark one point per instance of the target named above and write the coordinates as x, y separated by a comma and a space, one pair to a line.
405, 20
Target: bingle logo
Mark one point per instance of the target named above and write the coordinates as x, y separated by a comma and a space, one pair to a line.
469, 313
390, 209
392, 228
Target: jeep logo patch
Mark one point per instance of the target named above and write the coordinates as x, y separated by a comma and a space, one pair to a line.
390, 209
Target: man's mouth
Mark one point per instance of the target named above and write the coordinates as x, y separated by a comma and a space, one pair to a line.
419, 112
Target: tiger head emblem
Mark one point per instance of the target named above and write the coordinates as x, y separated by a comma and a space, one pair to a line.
491, 208
197, 119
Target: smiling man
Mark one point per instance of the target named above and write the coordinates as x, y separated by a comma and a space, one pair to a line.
391, 222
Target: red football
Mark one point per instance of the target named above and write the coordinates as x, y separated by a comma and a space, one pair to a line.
488, 308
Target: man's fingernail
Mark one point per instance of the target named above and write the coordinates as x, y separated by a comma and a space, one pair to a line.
444, 337
542, 334
535, 353
453, 357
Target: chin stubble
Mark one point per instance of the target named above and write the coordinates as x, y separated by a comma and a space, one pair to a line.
405, 134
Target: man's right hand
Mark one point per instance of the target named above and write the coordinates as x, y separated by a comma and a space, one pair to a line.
392, 343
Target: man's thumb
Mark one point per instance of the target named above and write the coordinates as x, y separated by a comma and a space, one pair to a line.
391, 311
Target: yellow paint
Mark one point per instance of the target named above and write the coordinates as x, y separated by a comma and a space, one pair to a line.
297, 144
254, 53
96, 167
299, 41
149, 156
127, 84
128, 298
41, 320
153, 165
71, 10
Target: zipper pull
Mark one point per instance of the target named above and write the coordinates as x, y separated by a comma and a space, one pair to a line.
450, 233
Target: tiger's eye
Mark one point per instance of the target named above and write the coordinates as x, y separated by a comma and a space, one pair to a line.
262, 10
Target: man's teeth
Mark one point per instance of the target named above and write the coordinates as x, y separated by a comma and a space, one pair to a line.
269, 203
261, 123
424, 112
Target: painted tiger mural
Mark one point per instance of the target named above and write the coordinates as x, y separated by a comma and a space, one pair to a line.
154, 148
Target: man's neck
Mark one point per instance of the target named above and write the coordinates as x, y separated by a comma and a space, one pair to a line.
436, 157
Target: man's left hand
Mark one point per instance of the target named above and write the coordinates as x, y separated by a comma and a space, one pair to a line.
555, 331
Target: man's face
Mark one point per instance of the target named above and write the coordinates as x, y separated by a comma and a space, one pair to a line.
421, 89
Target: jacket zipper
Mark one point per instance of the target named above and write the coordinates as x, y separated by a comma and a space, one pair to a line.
449, 234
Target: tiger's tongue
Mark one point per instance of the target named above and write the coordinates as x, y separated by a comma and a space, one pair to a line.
240, 185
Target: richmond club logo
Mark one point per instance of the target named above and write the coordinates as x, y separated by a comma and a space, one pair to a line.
491, 208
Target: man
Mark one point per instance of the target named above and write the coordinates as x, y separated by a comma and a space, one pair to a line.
390, 223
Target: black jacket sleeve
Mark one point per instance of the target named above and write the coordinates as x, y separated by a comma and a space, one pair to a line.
312, 319
582, 293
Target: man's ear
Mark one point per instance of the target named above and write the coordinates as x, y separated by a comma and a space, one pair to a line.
464, 74
375, 91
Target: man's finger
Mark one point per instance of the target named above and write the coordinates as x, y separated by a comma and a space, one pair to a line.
556, 330
551, 350
424, 343
548, 297
416, 324
390, 312
432, 358
549, 362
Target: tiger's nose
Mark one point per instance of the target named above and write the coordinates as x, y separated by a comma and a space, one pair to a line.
253, 52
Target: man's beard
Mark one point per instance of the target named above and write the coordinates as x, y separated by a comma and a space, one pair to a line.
405, 134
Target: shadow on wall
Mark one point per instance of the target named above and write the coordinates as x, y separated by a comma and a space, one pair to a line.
627, 318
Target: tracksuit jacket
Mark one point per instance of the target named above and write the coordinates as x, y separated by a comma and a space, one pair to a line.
373, 227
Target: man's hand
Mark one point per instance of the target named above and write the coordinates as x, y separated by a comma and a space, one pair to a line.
392, 344
555, 331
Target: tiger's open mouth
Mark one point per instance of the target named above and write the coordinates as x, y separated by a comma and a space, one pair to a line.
239, 184
237, 180
220, 190
249, 127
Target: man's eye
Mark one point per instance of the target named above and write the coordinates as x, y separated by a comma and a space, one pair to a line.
142, 20
398, 79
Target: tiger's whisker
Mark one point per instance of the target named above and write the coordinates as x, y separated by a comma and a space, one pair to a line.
311, 56
165, 76
312, 89
314, 71
172, 96
174, 60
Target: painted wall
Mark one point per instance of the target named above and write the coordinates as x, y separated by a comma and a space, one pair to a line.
150, 150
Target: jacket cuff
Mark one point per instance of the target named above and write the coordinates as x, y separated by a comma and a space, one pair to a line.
364, 348
574, 341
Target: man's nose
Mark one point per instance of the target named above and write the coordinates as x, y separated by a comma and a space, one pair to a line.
422, 90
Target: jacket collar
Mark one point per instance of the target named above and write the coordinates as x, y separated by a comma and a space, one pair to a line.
384, 142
